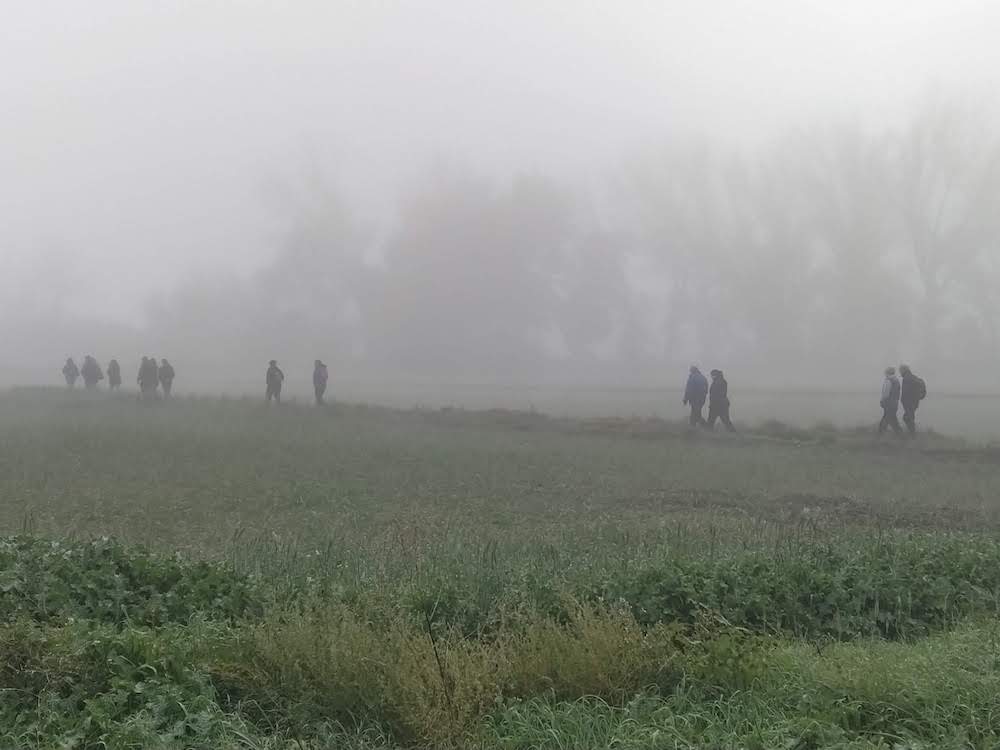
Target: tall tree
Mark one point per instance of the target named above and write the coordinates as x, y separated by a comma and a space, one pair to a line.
467, 285
948, 172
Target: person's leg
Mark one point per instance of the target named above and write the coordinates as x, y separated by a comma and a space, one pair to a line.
894, 423
277, 395
726, 421
882, 425
909, 419
712, 416
693, 419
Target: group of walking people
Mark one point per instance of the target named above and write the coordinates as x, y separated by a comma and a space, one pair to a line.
152, 376
906, 389
275, 379
698, 390
91, 373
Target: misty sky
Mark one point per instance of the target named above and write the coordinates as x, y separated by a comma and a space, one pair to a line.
138, 139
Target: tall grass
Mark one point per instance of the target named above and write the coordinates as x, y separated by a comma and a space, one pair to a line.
364, 578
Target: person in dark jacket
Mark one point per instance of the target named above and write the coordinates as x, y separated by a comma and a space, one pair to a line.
890, 402
695, 393
71, 372
274, 379
166, 375
148, 379
320, 376
913, 390
91, 372
114, 375
718, 401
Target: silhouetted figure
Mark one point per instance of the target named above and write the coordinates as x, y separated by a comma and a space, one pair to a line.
114, 375
91, 372
913, 390
148, 379
718, 401
71, 372
695, 393
166, 377
890, 402
275, 377
320, 376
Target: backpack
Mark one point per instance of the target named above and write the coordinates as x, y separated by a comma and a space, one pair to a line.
921, 388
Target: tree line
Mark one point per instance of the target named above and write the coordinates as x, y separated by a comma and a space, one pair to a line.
820, 257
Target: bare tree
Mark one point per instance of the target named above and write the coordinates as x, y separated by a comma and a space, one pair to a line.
948, 183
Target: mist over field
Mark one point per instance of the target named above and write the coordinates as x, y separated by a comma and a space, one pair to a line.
430, 196
527, 220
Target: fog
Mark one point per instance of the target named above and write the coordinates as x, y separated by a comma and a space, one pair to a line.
460, 192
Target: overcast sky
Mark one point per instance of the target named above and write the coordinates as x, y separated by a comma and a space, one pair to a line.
137, 137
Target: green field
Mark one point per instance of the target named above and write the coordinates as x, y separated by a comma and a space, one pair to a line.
219, 574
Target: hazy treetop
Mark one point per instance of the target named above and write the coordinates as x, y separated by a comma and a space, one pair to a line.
138, 135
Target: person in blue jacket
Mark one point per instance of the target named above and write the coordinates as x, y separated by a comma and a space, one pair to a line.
695, 393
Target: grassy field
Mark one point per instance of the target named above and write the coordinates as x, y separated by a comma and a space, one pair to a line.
953, 409
219, 574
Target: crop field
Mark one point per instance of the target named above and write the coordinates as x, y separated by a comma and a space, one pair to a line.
966, 412
213, 573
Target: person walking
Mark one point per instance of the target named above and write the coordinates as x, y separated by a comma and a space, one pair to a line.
695, 393
148, 379
114, 375
320, 376
890, 402
71, 372
166, 377
912, 391
718, 401
274, 379
91, 372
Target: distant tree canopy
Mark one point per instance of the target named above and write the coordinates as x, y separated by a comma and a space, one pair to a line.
834, 250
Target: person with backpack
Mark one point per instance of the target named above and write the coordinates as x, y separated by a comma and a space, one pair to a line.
166, 376
718, 401
695, 393
91, 372
320, 377
114, 375
890, 402
149, 379
274, 380
913, 390
71, 372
